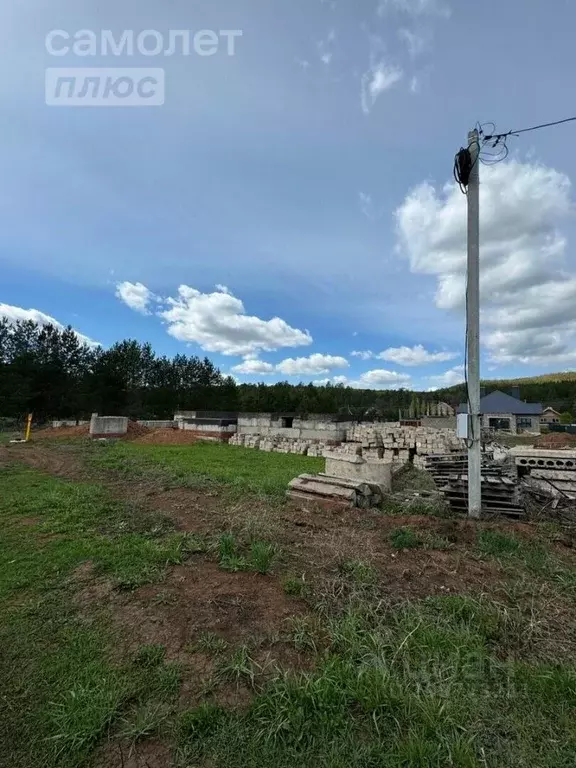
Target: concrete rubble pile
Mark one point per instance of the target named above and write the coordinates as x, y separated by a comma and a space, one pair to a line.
399, 445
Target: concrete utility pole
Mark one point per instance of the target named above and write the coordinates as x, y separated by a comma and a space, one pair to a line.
473, 335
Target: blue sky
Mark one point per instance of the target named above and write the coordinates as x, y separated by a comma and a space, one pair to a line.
305, 176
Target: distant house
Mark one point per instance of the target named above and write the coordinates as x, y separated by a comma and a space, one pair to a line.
549, 416
508, 414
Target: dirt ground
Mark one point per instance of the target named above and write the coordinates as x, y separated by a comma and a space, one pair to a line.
312, 538
200, 599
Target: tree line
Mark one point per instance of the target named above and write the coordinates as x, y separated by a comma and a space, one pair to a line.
48, 371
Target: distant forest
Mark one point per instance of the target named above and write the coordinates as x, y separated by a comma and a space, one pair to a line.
48, 371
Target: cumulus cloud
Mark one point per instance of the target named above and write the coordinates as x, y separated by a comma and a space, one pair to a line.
135, 295
14, 314
383, 379
448, 378
254, 367
414, 356
365, 354
528, 296
377, 79
377, 379
218, 323
408, 356
315, 365
334, 380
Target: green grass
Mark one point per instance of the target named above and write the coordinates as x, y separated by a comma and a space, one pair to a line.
203, 465
296, 587
529, 555
445, 681
60, 691
360, 572
404, 538
259, 558
421, 685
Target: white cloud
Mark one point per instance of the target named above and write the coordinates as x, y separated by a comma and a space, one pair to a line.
415, 43
13, 314
251, 366
368, 207
135, 295
363, 354
448, 378
415, 7
379, 78
528, 297
413, 356
324, 46
314, 365
218, 323
382, 379
408, 356
334, 380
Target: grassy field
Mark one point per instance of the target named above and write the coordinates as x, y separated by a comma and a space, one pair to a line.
206, 464
263, 635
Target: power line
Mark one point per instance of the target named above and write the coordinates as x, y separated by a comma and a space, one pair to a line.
527, 130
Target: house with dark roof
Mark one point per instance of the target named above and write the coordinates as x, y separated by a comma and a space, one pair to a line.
507, 414
550, 416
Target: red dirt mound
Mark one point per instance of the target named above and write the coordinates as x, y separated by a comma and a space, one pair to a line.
136, 431
167, 437
556, 440
81, 431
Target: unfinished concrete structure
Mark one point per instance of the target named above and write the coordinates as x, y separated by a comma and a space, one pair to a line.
290, 425
108, 426
212, 426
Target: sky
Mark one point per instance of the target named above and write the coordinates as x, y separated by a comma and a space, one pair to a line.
290, 210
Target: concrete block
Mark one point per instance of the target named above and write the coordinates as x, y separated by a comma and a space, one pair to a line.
108, 426
372, 471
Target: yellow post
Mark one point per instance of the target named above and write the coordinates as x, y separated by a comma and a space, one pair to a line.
28, 427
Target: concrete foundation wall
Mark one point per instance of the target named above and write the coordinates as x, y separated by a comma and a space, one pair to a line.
108, 426
295, 433
212, 428
68, 423
157, 424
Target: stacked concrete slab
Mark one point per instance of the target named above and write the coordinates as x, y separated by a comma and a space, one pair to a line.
281, 444
386, 441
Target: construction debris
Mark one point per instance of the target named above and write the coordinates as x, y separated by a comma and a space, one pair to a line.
553, 472
500, 489
334, 491
349, 481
